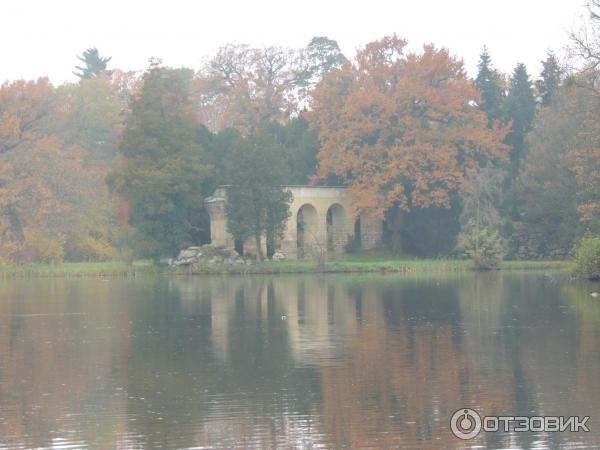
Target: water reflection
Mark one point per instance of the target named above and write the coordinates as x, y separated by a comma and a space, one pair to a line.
294, 362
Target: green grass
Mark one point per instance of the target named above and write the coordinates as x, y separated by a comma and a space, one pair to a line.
373, 263
535, 265
380, 262
89, 269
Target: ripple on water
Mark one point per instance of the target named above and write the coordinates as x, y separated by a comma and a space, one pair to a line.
370, 362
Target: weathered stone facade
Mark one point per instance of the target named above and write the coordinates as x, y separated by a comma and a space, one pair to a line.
320, 224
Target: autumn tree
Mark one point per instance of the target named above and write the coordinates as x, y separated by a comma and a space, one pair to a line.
93, 64
585, 163
163, 174
126, 85
401, 128
586, 155
42, 175
96, 122
246, 87
257, 204
585, 46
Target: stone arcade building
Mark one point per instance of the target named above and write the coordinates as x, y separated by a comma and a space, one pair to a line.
320, 224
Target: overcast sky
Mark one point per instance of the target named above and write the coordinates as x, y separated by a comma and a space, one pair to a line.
42, 37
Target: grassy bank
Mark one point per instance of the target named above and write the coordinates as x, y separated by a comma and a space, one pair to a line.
370, 263
362, 264
80, 269
351, 263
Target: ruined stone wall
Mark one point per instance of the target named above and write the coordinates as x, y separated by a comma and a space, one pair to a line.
311, 233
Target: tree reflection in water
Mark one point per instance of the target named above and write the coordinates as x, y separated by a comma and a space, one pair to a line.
256, 362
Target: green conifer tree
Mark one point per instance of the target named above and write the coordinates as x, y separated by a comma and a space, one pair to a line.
489, 83
94, 64
520, 111
550, 80
257, 205
164, 176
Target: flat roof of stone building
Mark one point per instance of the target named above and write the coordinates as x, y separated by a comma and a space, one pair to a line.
295, 186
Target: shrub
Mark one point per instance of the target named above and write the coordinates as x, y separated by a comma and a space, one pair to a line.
587, 258
484, 247
44, 249
96, 249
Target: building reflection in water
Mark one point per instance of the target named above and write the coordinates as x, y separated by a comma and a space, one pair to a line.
293, 362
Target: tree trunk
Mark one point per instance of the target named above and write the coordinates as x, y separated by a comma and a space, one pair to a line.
259, 255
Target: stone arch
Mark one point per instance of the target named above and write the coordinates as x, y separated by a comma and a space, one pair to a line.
336, 225
307, 230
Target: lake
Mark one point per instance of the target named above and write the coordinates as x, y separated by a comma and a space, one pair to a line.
336, 361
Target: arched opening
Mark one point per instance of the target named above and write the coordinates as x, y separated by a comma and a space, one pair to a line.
238, 246
306, 230
336, 229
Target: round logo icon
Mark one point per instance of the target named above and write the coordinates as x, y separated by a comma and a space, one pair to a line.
465, 423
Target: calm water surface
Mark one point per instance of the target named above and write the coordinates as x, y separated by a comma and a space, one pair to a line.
294, 362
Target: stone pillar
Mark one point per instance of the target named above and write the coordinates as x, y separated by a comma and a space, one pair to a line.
215, 205
289, 244
337, 230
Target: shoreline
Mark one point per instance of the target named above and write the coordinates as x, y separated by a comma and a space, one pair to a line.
351, 265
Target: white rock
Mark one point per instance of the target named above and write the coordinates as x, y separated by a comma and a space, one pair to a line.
278, 256
187, 253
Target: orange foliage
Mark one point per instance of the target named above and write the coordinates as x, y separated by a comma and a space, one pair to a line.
42, 177
395, 388
401, 128
243, 87
126, 85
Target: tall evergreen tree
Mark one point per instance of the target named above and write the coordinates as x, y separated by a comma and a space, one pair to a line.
257, 206
550, 80
549, 221
489, 83
94, 64
322, 54
520, 111
164, 174
301, 144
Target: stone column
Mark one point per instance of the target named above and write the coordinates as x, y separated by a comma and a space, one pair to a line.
215, 205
